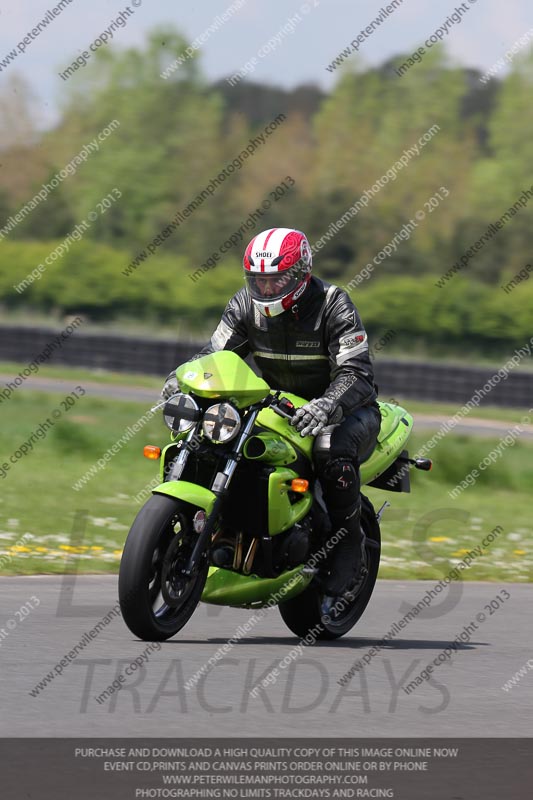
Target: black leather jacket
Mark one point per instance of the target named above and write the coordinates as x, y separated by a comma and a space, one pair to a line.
317, 349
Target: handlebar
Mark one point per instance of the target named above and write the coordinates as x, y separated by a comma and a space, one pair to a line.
283, 407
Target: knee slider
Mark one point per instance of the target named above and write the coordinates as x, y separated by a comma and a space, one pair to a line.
341, 484
340, 475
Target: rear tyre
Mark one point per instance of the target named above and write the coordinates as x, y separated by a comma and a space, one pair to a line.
155, 600
305, 612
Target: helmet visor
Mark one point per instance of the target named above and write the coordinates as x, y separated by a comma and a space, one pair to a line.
265, 286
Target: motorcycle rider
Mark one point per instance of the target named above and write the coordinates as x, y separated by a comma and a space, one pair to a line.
307, 338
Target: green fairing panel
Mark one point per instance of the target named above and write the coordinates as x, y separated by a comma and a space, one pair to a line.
396, 427
222, 375
162, 458
392, 437
282, 514
273, 422
227, 588
277, 451
189, 493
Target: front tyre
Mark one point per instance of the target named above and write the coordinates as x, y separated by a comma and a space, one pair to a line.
304, 613
155, 600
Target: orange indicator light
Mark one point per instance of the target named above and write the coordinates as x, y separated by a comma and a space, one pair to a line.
151, 451
299, 485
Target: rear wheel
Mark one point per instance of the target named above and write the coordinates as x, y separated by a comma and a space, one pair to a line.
155, 599
305, 612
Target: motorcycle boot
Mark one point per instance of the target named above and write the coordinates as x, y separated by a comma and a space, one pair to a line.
346, 563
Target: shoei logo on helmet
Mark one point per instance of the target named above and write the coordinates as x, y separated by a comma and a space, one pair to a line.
264, 254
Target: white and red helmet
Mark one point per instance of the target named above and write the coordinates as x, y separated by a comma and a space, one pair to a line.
277, 269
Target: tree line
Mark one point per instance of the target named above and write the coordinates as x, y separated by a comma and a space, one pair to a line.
176, 137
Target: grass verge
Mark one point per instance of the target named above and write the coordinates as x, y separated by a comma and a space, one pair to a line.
425, 533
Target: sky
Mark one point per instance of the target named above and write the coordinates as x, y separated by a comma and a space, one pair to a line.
319, 31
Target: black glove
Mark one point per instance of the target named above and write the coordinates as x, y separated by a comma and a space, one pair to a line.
314, 416
171, 386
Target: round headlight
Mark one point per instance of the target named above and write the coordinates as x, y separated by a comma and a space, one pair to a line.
181, 413
221, 423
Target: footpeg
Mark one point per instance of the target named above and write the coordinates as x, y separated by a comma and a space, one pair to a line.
385, 505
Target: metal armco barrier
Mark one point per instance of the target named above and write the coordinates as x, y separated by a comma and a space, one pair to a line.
421, 380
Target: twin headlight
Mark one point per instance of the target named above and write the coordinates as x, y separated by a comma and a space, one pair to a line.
221, 422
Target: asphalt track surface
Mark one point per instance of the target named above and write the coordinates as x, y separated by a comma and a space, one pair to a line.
470, 426
463, 698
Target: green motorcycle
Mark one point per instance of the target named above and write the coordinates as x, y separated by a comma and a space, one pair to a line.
238, 518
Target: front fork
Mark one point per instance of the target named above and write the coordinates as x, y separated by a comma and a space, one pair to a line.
219, 487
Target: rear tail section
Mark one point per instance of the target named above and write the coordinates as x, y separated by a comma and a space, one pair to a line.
388, 467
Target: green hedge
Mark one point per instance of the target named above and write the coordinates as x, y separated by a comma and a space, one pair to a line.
463, 315
89, 280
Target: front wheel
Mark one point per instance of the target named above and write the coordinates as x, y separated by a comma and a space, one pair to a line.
155, 599
305, 614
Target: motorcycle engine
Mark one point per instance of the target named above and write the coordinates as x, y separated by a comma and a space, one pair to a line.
223, 550
296, 545
223, 556
243, 551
